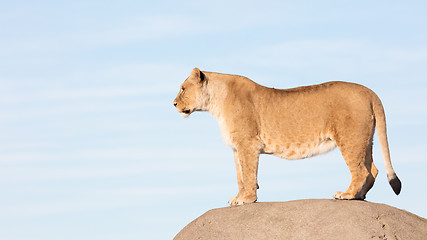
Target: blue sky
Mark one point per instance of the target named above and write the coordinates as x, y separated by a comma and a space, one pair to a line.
92, 148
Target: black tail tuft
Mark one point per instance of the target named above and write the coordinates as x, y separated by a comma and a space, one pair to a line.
395, 184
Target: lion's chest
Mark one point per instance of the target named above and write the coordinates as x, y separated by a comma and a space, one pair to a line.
225, 133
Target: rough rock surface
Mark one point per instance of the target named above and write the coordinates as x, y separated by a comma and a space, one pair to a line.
307, 219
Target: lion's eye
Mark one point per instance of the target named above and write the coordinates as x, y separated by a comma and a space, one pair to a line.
182, 90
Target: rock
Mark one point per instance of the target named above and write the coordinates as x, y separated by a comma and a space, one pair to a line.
307, 219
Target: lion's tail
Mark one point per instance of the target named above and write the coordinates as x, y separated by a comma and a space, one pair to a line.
382, 137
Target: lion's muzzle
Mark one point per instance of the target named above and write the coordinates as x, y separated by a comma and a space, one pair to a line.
185, 112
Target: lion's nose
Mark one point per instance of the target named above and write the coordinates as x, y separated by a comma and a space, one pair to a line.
174, 104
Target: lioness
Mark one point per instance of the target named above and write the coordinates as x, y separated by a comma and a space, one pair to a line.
293, 124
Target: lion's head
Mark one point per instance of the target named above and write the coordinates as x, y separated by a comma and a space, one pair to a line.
192, 95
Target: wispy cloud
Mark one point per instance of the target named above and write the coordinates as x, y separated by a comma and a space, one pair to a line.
51, 207
337, 57
67, 94
128, 153
104, 198
133, 155
127, 30
22, 174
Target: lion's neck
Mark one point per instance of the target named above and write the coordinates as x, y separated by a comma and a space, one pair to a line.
217, 91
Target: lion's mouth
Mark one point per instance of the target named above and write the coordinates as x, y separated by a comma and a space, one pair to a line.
185, 112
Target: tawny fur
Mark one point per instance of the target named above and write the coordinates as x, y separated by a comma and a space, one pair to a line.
293, 124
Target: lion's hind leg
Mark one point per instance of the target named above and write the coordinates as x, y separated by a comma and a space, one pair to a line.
369, 163
358, 157
361, 180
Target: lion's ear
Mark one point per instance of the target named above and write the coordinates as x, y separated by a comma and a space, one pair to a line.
198, 74
202, 76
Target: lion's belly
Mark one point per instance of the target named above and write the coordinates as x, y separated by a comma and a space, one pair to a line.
293, 151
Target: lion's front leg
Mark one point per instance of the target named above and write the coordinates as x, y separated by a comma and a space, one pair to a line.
247, 169
233, 201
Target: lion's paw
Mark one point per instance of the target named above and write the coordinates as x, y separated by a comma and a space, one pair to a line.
233, 201
240, 200
343, 196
